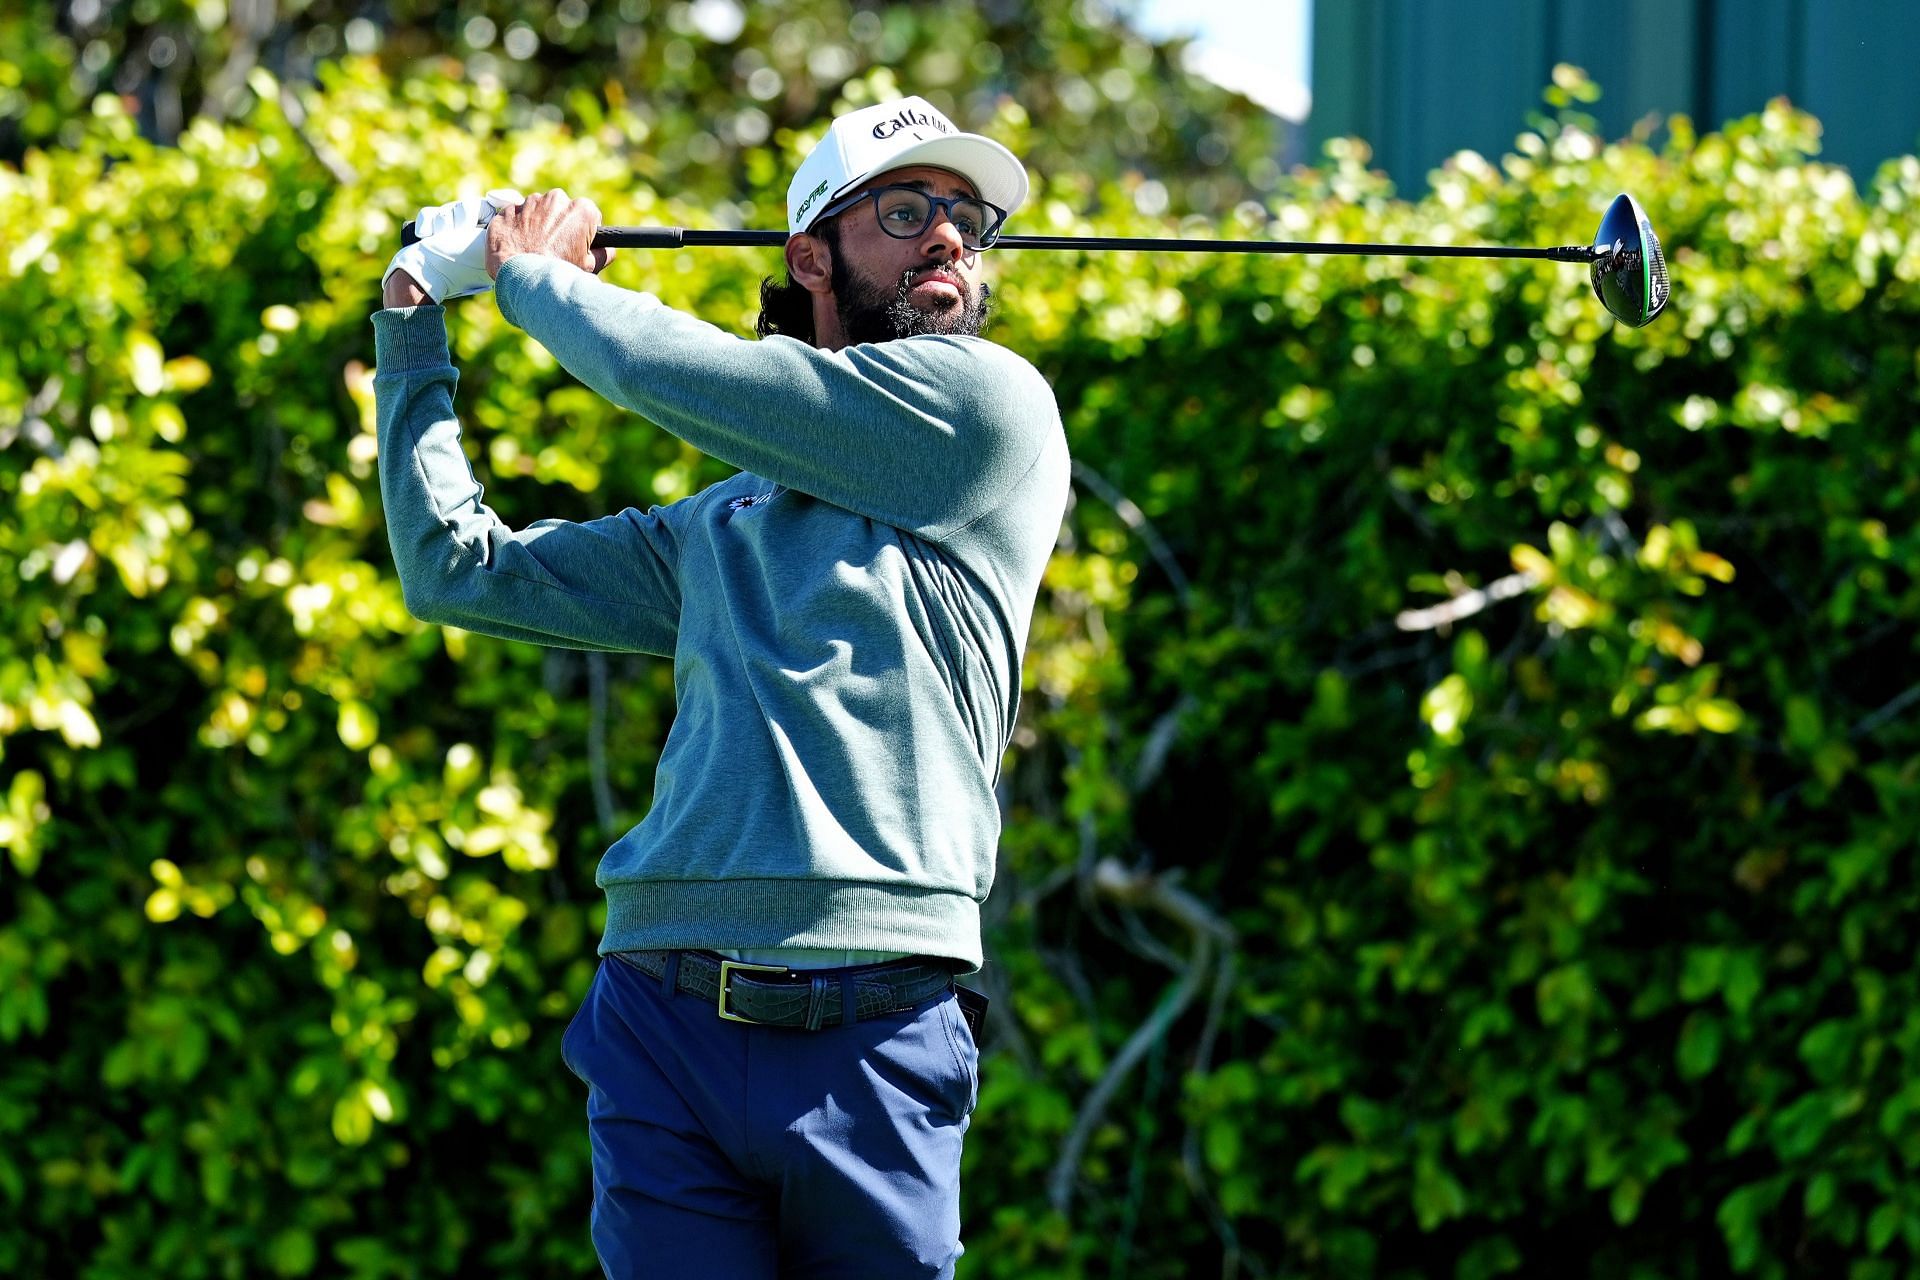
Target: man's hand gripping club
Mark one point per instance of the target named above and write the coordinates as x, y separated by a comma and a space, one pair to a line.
464, 244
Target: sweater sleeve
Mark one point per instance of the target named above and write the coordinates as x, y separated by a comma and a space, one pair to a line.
925, 434
605, 584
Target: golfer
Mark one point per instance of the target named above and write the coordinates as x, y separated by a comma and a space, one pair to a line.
779, 1068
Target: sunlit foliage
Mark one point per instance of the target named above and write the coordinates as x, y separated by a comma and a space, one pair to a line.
709, 85
1566, 928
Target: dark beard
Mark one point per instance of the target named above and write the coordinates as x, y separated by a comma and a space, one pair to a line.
872, 312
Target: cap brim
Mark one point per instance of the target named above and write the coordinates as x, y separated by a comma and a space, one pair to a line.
996, 173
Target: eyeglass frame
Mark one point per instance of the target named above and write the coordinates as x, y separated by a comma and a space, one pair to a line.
940, 204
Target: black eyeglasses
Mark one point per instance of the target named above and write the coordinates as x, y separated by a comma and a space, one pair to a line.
904, 213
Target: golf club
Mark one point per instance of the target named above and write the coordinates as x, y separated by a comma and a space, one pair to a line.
1628, 270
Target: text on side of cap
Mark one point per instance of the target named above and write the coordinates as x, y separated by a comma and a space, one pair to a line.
813, 195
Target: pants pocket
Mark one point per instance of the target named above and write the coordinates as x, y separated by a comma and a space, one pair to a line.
569, 1054
966, 1054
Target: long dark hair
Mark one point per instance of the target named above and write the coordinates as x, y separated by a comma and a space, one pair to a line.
786, 309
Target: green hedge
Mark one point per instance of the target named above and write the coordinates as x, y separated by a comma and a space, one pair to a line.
1348, 923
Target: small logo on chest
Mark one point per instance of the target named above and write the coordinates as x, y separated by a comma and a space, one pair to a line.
750, 500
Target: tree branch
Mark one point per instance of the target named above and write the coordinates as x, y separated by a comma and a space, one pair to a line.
1153, 755
1888, 710
32, 423
1190, 1160
1466, 604
296, 114
1134, 891
1135, 519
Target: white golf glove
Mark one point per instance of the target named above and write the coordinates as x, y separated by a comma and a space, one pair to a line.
450, 257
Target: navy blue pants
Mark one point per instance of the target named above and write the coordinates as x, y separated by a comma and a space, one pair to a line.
725, 1151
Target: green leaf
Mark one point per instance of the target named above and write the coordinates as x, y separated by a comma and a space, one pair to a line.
1740, 1216
1798, 1128
1565, 993
1822, 1189
1702, 972
122, 1065
1624, 1202
1806, 727
216, 1177
352, 1119
1699, 1048
292, 1252
1223, 1140
1368, 1121
1340, 1171
1897, 1112
1743, 979
1882, 1226
1437, 1196
1489, 1257
1827, 1049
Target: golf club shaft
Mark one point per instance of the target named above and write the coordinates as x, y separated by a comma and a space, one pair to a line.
681, 237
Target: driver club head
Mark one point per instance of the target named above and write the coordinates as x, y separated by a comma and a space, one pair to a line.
1630, 275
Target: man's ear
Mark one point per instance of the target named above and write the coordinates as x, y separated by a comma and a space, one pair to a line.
810, 263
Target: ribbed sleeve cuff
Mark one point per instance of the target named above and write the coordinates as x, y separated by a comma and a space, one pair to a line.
410, 338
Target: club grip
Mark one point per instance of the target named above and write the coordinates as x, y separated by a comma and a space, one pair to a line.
605, 238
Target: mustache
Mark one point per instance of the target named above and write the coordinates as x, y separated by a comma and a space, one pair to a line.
912, 277
977, 296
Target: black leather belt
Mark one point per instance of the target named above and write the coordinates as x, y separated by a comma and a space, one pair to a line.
771, 995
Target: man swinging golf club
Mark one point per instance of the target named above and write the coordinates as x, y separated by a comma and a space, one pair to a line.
779, 1068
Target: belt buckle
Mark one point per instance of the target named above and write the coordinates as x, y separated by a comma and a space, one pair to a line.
727, 969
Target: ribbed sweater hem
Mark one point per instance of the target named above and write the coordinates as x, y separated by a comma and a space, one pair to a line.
829, 914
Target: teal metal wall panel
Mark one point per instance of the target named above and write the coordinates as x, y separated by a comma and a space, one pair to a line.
1758, 53
1346, 45
1422, 79
1861, 81
1455, 67
1644, 54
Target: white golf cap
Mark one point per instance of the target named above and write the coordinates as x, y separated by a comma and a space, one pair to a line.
893, 135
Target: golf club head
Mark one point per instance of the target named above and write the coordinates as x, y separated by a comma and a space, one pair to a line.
1630, 275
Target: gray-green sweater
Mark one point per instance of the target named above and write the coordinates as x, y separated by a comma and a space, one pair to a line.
846, 616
